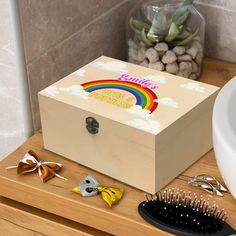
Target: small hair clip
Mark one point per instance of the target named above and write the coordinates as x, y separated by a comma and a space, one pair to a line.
30, 162
89, 186
214, 182
205, 186
208, 183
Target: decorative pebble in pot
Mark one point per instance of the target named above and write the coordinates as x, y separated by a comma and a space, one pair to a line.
167, 36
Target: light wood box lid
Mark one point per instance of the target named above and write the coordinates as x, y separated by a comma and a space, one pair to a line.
165, 99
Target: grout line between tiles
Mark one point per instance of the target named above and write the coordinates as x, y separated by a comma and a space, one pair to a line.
76, 32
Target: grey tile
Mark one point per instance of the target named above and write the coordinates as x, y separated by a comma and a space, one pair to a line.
103, 37
220, 40
227, 4
47, 22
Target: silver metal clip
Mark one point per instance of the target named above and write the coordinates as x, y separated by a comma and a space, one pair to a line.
208, 183
214, 181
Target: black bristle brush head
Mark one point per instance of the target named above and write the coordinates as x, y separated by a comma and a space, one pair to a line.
186, 214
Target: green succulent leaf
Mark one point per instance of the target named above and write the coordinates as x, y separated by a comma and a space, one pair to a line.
160, 25
140, 25
182, 18
139, 37
145, 39
182, 28
183, 35
142, 17
189, 38
173, 32
137, 31
153, 38
182, 12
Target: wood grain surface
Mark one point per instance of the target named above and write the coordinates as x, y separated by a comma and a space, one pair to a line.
122, 219
22, 220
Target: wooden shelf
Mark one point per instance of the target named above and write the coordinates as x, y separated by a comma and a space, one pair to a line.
53, 202
20, 219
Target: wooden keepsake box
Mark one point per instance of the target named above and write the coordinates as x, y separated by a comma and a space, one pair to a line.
135, 124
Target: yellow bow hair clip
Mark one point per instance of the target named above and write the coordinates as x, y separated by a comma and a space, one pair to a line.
91, 187
30, 162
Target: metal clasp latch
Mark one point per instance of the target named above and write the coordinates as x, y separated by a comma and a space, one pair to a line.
92, 125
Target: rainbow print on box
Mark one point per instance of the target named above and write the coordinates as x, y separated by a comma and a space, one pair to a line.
145, 97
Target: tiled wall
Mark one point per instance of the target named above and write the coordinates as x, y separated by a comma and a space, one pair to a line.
60, 36
220, 18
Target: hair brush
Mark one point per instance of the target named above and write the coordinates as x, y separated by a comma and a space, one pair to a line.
182, 213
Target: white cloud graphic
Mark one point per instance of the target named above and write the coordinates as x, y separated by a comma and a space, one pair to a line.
76, 90
193, 87
147, 125
113, 66
156, 78
51, 91
167, 102
139, 111
79, 72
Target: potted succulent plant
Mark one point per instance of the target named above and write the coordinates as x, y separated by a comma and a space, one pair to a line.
167, 36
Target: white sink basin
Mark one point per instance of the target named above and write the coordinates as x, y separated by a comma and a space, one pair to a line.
224, 134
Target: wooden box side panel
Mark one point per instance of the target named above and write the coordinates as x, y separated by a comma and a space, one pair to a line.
110, 151
184, 142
